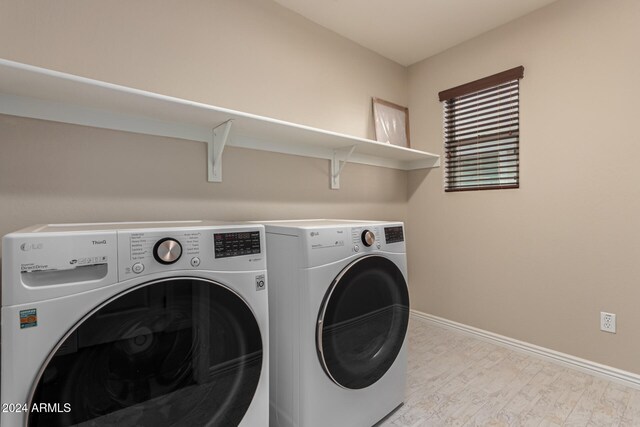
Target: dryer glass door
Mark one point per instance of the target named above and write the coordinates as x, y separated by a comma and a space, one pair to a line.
363, 322
171, 352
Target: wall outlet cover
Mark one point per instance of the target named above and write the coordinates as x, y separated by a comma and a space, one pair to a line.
608, 322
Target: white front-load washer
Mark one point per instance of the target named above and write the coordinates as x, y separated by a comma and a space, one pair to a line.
135, 324
339, 311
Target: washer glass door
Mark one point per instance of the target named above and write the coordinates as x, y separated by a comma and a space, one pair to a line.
181, 351
363, 322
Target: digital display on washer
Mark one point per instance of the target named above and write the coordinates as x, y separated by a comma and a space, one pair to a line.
393, 234
236, 244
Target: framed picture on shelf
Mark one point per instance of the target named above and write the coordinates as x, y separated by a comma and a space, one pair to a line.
391, 122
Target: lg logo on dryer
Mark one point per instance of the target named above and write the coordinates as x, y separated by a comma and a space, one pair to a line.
26, 247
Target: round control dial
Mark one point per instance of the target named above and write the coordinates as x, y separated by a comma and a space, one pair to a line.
368, 238
167, 251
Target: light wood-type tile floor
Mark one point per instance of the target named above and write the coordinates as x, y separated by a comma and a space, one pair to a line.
455, 379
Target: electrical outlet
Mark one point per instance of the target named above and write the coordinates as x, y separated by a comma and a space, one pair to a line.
608, 322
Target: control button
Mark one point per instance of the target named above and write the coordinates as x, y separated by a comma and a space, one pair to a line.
167, 251
137, 268
195, 261
368, 238
356, 248
378, 245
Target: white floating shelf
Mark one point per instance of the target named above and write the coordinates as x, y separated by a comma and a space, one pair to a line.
39, 93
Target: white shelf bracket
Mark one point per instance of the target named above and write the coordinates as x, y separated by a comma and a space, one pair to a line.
337, 165
215, 148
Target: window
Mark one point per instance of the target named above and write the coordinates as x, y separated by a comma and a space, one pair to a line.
482, 133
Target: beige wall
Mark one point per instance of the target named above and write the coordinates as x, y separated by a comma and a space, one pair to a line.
539, 263
251, 55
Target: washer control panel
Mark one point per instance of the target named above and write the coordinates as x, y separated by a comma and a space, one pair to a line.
142, 252
236, 244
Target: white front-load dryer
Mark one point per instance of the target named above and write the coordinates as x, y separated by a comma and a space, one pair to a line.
139, 324
339, 311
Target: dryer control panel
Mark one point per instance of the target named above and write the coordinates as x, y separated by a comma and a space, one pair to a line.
394, 234
367, 237
324, 245
153, 251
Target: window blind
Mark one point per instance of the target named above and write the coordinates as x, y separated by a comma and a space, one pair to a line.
482, 133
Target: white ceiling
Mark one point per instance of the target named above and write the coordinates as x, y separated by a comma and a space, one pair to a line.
407, 31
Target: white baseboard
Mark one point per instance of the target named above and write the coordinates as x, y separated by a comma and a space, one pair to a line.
618, 375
